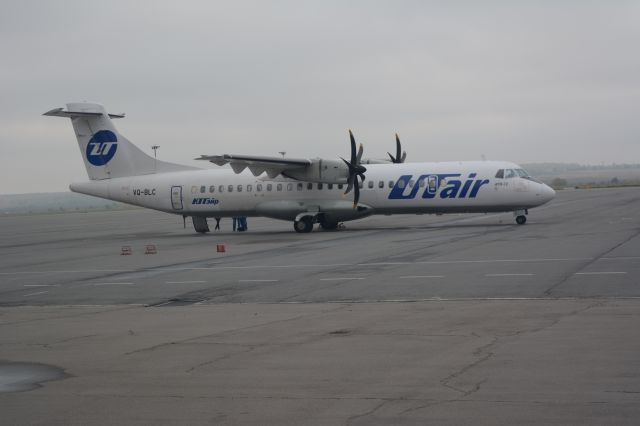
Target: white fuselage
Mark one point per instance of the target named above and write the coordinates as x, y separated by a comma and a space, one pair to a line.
443, 187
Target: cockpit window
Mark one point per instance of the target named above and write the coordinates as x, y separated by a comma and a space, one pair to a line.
509, 173
524, 175
500, 173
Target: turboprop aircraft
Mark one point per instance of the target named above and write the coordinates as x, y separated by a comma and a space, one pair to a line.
304, 191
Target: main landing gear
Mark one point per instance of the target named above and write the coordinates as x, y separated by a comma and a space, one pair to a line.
304, 224
521, 217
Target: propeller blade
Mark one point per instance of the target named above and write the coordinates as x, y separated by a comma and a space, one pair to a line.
393, 160
353, 147
404, 156
398, 149
349, 188
356, 194
349, 184
355, 170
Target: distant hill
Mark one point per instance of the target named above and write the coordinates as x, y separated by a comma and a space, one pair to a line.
55, 202
580, 174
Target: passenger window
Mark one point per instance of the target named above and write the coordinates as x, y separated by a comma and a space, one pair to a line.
212, 188
249, 188
340, 186
411, 182
279, 187
370, 184
500, 174
422, 183
203, 189
381, 184
361, 185
300, 186
221, 188
401, 184
269, 187
289, 187
309, 185
194, 189
259, 187
230, 188
239, 188
330, 186
390, 184
319, 186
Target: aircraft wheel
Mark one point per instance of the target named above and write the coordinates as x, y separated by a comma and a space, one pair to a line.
521, 220
303, 225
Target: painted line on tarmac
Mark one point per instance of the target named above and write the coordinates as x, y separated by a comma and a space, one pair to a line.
620, 258
408, 277
81, 271
341, 278
464, 299
600, 273
185, 282
99, 284
34, 294
509, 275
258, 281
330, 265
41, 285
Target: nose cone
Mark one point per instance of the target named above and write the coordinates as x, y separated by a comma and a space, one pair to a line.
547, 193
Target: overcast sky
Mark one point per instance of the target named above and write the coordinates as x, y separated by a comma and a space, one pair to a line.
520, 81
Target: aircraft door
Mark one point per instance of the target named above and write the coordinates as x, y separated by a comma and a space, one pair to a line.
432, 184
176, 197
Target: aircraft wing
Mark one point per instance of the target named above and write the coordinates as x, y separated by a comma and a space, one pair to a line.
258, 165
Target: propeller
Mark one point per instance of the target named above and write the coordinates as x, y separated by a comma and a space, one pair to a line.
398, 158
355, 170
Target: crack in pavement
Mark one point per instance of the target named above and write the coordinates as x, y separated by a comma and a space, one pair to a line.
353, 418
591, 261
234, 330
496, 340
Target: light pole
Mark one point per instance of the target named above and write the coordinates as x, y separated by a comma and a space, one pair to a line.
155, 157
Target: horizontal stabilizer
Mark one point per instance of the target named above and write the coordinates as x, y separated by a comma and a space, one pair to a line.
60, 112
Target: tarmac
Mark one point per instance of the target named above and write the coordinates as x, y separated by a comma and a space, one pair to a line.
452, 319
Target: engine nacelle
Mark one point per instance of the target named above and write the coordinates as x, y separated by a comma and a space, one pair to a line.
321, 171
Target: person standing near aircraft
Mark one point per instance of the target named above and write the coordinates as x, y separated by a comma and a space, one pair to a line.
217, 228
242, 223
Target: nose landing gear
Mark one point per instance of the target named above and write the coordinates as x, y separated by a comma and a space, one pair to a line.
521, 217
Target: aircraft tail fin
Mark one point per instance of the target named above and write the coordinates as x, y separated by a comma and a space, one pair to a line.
105, 152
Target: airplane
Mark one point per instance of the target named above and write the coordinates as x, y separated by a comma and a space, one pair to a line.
305, 191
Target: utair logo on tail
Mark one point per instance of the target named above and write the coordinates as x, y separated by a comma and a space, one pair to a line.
102, 147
